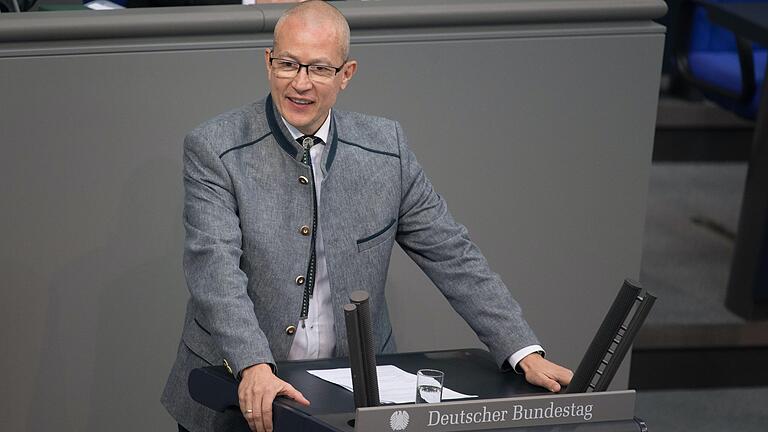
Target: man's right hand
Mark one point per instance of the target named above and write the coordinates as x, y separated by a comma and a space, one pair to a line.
257, 389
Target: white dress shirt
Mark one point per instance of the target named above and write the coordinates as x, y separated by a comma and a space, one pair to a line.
317, 338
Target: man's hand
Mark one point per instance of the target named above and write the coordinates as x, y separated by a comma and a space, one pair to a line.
257, 389
543, 373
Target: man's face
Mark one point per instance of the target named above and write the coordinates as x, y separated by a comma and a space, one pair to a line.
302, 102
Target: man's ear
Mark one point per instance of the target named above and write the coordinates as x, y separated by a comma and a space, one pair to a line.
350, 68
267, 54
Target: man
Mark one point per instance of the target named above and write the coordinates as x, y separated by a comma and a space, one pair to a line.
290, 205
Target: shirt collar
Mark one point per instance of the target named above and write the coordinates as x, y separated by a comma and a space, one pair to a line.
321, 133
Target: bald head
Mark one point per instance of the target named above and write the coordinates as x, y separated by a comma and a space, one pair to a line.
317, 14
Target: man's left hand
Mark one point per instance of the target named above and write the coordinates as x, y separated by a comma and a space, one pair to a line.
543, 373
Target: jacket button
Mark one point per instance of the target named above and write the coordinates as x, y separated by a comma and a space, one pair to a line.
304, 230
303, 180
229, 369
290, 330
299, 280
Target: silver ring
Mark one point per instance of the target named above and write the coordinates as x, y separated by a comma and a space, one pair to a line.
249, 411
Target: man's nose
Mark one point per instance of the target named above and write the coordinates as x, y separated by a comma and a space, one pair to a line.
301, 81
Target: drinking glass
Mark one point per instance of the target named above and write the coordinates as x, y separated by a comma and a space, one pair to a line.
429, 386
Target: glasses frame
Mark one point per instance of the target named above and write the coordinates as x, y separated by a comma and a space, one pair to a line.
307, 66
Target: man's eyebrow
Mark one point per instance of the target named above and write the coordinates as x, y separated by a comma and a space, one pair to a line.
288, 55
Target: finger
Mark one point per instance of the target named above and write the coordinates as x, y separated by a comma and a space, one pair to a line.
543, 380
559, 374
251, 419
565, 376
254, 419
246, 407
553, 386
266, 412
258, 415
550, 384
291, 392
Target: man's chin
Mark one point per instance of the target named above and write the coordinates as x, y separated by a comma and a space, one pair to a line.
298, 123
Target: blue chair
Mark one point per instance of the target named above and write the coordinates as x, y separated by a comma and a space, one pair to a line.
728, 70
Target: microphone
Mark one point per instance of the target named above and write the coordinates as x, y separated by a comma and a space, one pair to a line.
362, 353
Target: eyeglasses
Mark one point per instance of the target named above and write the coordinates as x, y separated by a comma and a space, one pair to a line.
285, 68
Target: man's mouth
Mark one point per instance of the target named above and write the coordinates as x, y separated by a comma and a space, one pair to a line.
299, 101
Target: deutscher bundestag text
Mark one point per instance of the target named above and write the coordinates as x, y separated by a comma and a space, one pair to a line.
518, 412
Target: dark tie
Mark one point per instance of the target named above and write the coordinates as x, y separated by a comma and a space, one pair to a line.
306, 143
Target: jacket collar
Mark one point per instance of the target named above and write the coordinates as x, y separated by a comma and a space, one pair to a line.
289, 145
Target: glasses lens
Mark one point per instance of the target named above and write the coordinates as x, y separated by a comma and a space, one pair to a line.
321, 72
285, 68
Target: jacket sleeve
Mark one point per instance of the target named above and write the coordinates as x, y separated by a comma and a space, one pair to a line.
442, 249
212, 252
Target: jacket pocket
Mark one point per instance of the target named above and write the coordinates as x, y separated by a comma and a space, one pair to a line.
200, 342
378, 237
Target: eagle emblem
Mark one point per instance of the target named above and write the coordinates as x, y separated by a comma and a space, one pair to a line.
399, 420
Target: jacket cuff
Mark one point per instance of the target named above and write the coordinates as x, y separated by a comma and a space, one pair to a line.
239, 365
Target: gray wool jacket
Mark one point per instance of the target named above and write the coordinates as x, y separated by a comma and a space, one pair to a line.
246, 195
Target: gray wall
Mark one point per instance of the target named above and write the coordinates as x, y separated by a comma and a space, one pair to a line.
533, 119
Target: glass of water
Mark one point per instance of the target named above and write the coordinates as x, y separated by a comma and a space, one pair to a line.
429, 386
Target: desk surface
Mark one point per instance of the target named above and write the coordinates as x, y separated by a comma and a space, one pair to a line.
470, 371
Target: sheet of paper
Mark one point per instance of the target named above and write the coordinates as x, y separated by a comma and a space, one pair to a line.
395, 384
103, 5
